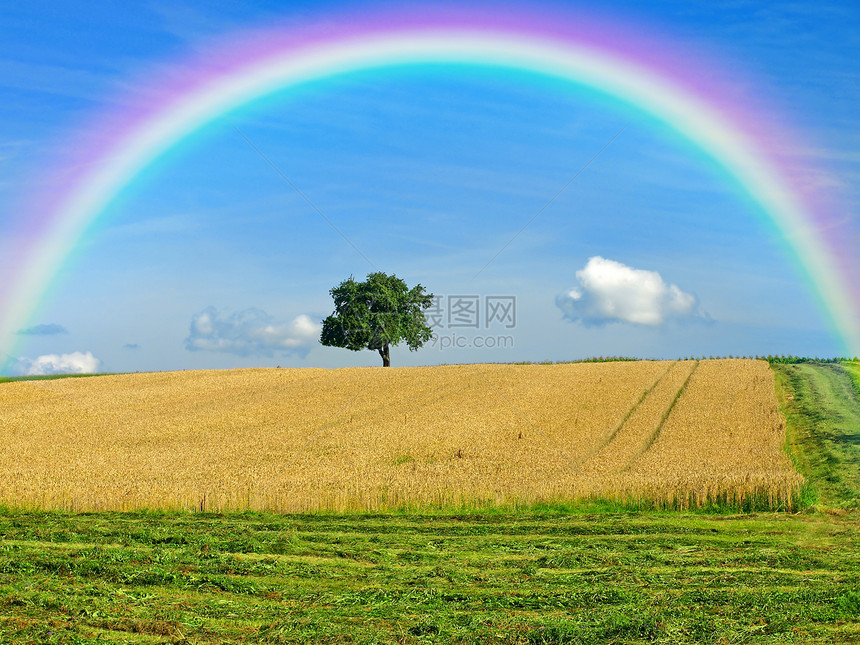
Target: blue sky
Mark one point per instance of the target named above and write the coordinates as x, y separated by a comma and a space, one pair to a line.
213, 260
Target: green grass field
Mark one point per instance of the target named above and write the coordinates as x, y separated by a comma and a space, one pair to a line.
47, 377
822, 406
534, 576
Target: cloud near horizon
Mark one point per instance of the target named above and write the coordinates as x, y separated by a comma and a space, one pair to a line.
51, 329
608, 291
251, 332
73, 363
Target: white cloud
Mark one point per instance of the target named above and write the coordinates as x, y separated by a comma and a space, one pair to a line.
251, 332
74, 363
608, 291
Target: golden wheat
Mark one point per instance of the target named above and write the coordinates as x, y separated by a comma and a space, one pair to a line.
369, 438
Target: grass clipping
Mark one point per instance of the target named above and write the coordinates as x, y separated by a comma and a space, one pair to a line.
667, 434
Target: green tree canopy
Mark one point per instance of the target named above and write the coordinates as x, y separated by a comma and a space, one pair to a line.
377, 313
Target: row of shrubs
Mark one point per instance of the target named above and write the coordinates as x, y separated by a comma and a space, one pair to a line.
786, 360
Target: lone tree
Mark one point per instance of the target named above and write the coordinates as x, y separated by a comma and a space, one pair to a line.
376, 313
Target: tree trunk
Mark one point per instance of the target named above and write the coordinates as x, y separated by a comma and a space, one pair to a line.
386, 361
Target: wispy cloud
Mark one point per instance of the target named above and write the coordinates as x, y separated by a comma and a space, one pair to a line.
11, 149
251, 332
188, 23
55, 80
609, 291
51, 329
165, 225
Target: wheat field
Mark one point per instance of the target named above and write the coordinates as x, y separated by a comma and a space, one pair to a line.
679, 433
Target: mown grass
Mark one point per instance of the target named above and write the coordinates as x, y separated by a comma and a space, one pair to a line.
821, 403
588, 573
853, 370
524, 578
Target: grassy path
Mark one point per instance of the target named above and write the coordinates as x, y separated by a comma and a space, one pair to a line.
525, 578
853, 369
822, 405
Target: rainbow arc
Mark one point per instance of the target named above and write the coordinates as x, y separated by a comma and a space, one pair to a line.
257, 66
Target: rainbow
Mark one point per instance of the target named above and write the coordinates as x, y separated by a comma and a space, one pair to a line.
666, 84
